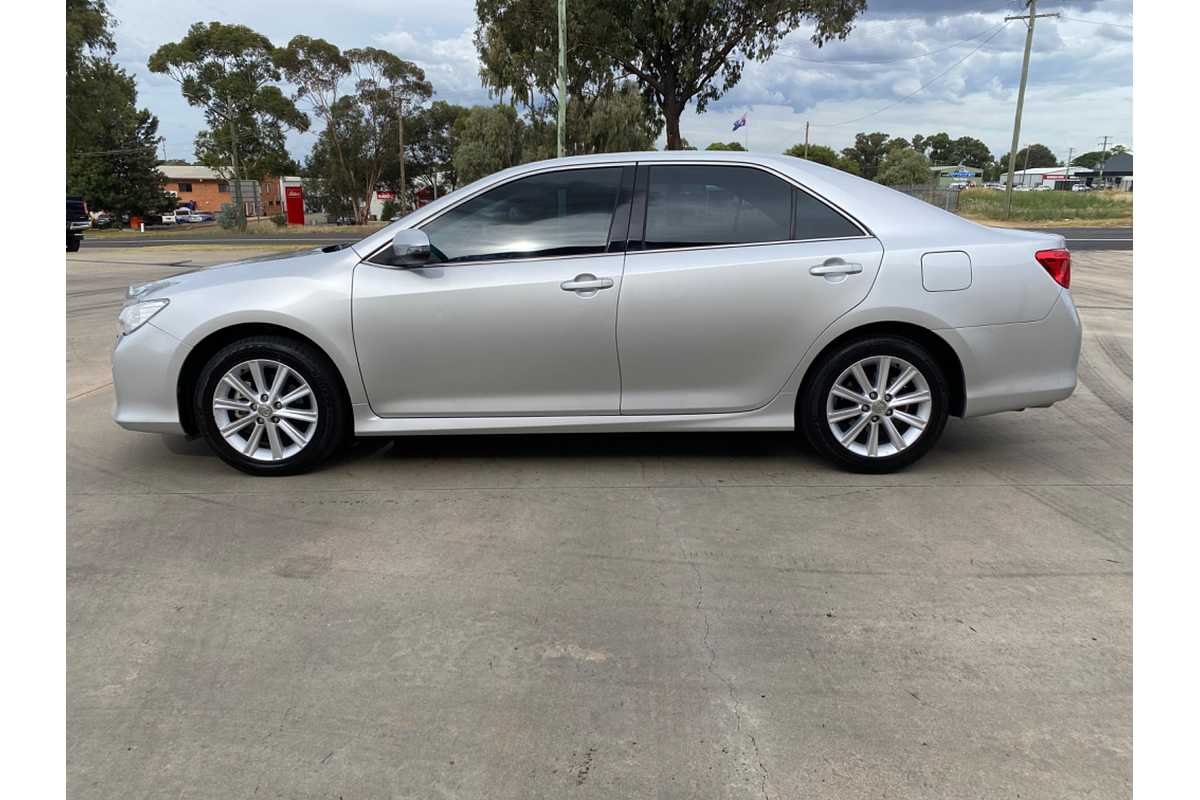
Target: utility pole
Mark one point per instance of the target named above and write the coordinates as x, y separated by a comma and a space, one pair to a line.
562, 77
806, 140
1016, 137
1103, 157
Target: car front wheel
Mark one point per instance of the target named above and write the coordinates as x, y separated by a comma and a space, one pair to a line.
73, 243
269, 405
875, 405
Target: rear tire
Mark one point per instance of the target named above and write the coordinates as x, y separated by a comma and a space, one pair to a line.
302, 422
73, 243
884, 425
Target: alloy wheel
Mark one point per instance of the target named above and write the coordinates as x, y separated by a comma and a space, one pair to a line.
879, 406
265, 410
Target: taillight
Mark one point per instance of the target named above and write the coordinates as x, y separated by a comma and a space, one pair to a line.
1058, 264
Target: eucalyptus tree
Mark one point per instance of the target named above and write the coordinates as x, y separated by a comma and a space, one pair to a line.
680, 52
229, 72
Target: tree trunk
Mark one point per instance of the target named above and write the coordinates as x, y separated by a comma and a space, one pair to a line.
403, 184
239, 206
671, 112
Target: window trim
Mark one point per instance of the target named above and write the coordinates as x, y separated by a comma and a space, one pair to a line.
644, 209
551, 168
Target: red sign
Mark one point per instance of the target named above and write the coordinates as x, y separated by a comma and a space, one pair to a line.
1054, 177
294, 205
386, 195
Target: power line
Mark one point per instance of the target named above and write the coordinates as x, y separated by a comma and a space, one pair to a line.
920, 88
891, 60
1097, 22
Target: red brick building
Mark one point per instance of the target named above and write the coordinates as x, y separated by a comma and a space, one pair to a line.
209, 189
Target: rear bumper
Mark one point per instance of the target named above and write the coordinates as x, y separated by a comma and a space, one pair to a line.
1021, 365
144, 366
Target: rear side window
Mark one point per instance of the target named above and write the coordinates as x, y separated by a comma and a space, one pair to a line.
700, 205
553, 214
815, 220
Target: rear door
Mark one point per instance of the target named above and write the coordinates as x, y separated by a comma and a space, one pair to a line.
736, 273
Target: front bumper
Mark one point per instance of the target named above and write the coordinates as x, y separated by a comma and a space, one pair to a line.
1021, 365
144, 366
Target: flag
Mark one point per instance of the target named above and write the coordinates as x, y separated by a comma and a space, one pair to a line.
739, 123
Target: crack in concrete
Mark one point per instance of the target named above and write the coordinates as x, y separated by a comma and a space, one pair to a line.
712, 651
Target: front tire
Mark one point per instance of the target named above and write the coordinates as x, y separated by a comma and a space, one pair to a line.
73, 243
269, 405
875, 405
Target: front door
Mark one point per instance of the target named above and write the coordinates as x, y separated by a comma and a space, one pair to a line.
737, 274
515, 316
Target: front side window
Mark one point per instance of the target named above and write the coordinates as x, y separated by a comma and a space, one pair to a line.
701, 206
560, 213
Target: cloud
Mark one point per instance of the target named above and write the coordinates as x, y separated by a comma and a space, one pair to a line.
1080, 78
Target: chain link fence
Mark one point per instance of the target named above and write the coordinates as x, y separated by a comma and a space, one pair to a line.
940, 196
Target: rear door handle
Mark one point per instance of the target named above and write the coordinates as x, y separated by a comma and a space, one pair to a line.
835, 266
586, 283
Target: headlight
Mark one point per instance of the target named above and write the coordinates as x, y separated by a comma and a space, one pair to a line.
135, 315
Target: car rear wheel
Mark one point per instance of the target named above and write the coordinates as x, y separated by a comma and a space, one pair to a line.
73, 243
270, 405
875, 405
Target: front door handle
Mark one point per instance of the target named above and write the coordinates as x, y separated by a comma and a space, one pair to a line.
585, 283
835, 266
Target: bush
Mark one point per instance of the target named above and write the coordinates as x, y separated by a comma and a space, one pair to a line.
280, 220
227, 217
389, 209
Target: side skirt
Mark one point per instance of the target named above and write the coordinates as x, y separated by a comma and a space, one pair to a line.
778, 415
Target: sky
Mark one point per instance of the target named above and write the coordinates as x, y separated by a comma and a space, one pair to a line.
907, 67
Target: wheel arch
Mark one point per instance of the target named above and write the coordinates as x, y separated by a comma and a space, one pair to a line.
207, 347
941, 351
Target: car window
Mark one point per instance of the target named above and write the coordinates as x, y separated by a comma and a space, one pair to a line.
700, 205
553, 214
815, 220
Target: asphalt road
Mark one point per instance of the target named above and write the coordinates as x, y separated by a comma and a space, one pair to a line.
1077, 239
683, 616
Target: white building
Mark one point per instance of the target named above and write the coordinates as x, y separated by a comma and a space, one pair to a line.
1036, 176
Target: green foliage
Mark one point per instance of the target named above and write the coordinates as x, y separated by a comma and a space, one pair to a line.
389, 210
820, 154
615, 121
868, 150
429, 148
363, 125
736, 146
229, 217
111, 143
1045, 206
489, 139
280, 220
904, 167
229, 72
680, 53
1038, 156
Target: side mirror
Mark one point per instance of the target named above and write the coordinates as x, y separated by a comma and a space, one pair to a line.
410, 248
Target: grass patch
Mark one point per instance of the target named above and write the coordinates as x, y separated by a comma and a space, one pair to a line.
1100, 206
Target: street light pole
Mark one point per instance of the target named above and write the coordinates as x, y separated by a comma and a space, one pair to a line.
562, 77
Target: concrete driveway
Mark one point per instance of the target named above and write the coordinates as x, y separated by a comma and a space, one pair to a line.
683, 616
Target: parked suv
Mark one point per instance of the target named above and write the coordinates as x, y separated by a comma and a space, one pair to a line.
78, 221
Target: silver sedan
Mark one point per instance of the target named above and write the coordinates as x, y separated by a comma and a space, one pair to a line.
620, 292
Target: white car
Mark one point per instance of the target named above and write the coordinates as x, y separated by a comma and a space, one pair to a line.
671, 291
